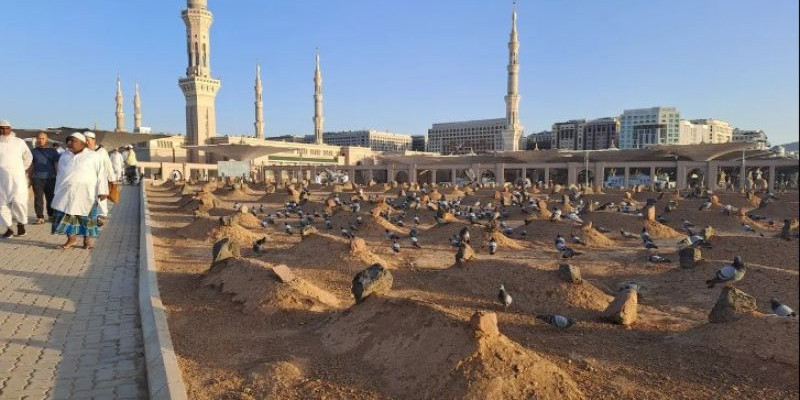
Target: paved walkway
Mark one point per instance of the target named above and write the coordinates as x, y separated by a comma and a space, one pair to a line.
69, 319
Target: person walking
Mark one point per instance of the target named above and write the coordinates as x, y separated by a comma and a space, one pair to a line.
43, 176
117, 163
130, 165
80, 183
15, 159
91, 143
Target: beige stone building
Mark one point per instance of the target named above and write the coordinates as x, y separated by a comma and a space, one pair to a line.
375, 140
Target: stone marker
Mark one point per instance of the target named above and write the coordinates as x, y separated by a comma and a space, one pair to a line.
224, 249
484, 322
283, 273
650, 213
708, 233
689, 257
570, 273
464, 253
307, 231
731, 305
374, 280
623, 310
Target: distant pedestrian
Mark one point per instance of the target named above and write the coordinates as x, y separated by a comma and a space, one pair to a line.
43, 177
117, 164
81, 182
131, 174
15, 159
108, 171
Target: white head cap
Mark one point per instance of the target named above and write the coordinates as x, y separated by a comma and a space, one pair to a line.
89, 135
4, 123
79, 136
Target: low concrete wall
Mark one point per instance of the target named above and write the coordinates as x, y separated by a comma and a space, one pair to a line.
164, 380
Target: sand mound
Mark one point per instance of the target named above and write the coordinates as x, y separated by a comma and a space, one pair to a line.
248, 220
203, 201
659, 230
595, 238
436, 355
209, 230
255, 285
501, 239
322, 251
376, 226
762, 336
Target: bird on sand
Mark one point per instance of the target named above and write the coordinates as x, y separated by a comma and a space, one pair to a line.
576, 239
748, 228
649, 245
603, 229
504, 297
560, 242
415, 242
396, 246
729, 273
463, 235
781, 309
258, 246
328, 224
695, 240
345, 232
492, 246
556, 216
645, 235
573, 216
686, 224
566, 252
655, 258
559, 321
704, 206
626, 234
287, 228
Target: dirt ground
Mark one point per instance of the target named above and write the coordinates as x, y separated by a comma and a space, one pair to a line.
239, 333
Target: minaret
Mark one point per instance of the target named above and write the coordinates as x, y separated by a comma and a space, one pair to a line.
514, 129
199, 87
319, 120
120, 112
137, 111
259, 105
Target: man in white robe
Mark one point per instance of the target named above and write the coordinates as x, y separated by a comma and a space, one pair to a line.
91, 142
117, 163
15, 160
81, 182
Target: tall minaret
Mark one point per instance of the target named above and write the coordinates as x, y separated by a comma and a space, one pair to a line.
259, 105
514, 129
199, 87
137, 111
319, 120
120, 112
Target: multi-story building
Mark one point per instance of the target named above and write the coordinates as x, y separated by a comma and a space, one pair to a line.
419, 142
480, 136
645, 127
717, 131
540, 140
568, 135
600, 133
293, 138
375, 140
750, 135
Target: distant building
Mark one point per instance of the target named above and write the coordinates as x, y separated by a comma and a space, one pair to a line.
375, 140
480, 136
646, 127
600, 133
540, 140
568, 135
707, 130
419, 142
291, 138
753, 136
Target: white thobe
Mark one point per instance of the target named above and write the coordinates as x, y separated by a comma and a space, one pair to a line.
102, 205
81, 178
15, 159
117, 164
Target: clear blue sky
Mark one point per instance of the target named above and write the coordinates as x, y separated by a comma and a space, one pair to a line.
402, 65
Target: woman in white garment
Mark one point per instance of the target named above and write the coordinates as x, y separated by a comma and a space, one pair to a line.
81, 183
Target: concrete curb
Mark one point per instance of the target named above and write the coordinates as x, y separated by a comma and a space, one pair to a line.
164, 379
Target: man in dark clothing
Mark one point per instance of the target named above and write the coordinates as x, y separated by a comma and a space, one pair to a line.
43, 176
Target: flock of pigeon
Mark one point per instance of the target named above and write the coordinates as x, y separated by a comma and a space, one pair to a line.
488, 213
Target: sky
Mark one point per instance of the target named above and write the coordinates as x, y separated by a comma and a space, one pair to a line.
404, 65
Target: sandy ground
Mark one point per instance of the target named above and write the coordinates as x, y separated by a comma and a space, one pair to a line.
240, 334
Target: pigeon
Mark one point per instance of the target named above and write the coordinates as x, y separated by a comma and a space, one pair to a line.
695, 241
780, 309
748, 228
704, 206
573, 216
560, 242
728, 210
454, 241
287, 228
391, 235
359, 220
237, 205
258, 246
504, 297
655, 258
492, 246
416, 219
396, 247
559, 321
686, 223
649, 245
566, 252
415, 242
661, 219
627, 234
508, 231
328, 224
729, 273
413, 232
577, 239
556, 216
345, 233
645, 235
523, 233
603, 229
264, 223
463, 235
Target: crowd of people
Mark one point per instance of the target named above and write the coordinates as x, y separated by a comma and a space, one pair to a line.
70, 187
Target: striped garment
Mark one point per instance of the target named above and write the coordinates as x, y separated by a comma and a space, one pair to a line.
79, 225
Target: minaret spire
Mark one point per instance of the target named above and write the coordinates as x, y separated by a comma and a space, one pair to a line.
137, 111
319, 120
259, 124
120, 108
514, 129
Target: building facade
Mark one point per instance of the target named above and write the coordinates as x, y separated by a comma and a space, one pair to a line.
647, 127
568, 135
750, 135
375, 140
198, 86
480, 136
540, 140
600, 133
419, 142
